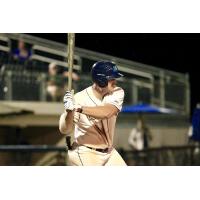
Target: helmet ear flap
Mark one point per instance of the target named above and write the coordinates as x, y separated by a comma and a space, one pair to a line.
101, 82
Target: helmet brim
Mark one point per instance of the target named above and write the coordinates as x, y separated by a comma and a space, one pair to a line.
119, 75
116, 75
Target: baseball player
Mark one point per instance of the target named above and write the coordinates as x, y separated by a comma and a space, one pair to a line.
94, 111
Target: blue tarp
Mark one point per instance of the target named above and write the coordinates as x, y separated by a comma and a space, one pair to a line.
146, 108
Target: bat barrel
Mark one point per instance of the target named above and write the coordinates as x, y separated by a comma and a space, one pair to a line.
70, 56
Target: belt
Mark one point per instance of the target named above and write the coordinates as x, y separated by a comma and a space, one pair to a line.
106, 150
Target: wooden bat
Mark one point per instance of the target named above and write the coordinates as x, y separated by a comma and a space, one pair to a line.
70, 57
70, 61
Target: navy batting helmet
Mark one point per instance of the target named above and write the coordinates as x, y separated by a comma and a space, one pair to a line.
103, 71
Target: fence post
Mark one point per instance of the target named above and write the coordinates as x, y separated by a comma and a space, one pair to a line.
8, 86
135, 92
43, 87
162, 89
187, 94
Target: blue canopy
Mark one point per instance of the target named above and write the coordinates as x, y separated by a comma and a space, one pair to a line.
146, 108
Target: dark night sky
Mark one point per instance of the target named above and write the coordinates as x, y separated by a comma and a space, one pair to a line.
177, 52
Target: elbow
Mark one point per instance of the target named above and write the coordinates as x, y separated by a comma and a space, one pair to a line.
62, 127
109, 115
62, 130
105, 116
110, 111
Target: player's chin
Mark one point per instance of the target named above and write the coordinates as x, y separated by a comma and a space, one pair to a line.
114, 86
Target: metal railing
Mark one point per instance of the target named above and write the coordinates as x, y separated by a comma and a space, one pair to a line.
32, 148
29, 155
21, 83
144, 83
164, 156
22, 86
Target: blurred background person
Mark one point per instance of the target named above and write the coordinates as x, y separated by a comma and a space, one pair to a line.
21, 53
139, 140
57, 82
75, 77
194, 129
140, 136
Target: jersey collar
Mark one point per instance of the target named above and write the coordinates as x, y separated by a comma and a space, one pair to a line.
93, 97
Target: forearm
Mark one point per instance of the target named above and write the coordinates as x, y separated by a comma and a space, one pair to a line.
100, 112
66, 122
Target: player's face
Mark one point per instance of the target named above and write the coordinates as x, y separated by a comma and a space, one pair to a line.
111, 85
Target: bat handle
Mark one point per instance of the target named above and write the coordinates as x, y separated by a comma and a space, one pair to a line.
68, 138
68, 142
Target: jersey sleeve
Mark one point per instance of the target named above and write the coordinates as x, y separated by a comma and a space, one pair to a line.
116, 98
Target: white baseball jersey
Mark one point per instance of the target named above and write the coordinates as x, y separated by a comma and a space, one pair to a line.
95, 132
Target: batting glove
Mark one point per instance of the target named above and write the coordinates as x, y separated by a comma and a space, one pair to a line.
68, 101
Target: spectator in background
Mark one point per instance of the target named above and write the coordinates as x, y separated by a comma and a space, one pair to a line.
194, 130
75, 77
21, 53
139, 139
57, 83
140, 136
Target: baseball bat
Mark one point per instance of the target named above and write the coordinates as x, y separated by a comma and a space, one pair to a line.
70, 52
70, 61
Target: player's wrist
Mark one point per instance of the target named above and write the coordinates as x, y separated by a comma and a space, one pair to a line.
79, 109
